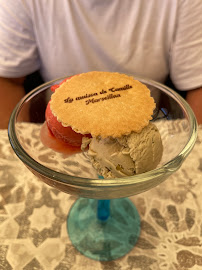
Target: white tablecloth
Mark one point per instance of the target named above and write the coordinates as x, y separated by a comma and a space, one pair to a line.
33, 216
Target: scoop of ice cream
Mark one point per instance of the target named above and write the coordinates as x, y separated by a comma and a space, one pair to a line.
65, 134
127, 155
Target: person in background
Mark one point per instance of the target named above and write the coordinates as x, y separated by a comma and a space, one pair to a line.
154, 39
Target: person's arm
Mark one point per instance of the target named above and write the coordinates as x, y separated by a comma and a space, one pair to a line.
11, 91
194, 98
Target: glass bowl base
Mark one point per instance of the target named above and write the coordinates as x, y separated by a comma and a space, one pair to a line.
103, 240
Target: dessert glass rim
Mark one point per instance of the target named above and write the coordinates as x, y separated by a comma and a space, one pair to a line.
169, 167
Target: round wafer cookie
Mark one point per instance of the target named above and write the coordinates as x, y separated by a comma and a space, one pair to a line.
103, 104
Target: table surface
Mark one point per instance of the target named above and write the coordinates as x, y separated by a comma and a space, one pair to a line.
33, 221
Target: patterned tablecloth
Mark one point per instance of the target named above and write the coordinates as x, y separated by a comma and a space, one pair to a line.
33, 221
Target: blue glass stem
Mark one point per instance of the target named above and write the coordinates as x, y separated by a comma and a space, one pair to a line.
103, 230
103, 209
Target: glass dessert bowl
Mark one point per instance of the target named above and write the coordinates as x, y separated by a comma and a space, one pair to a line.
102, 224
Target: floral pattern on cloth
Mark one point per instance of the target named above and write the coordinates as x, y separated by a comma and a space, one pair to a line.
33, 217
